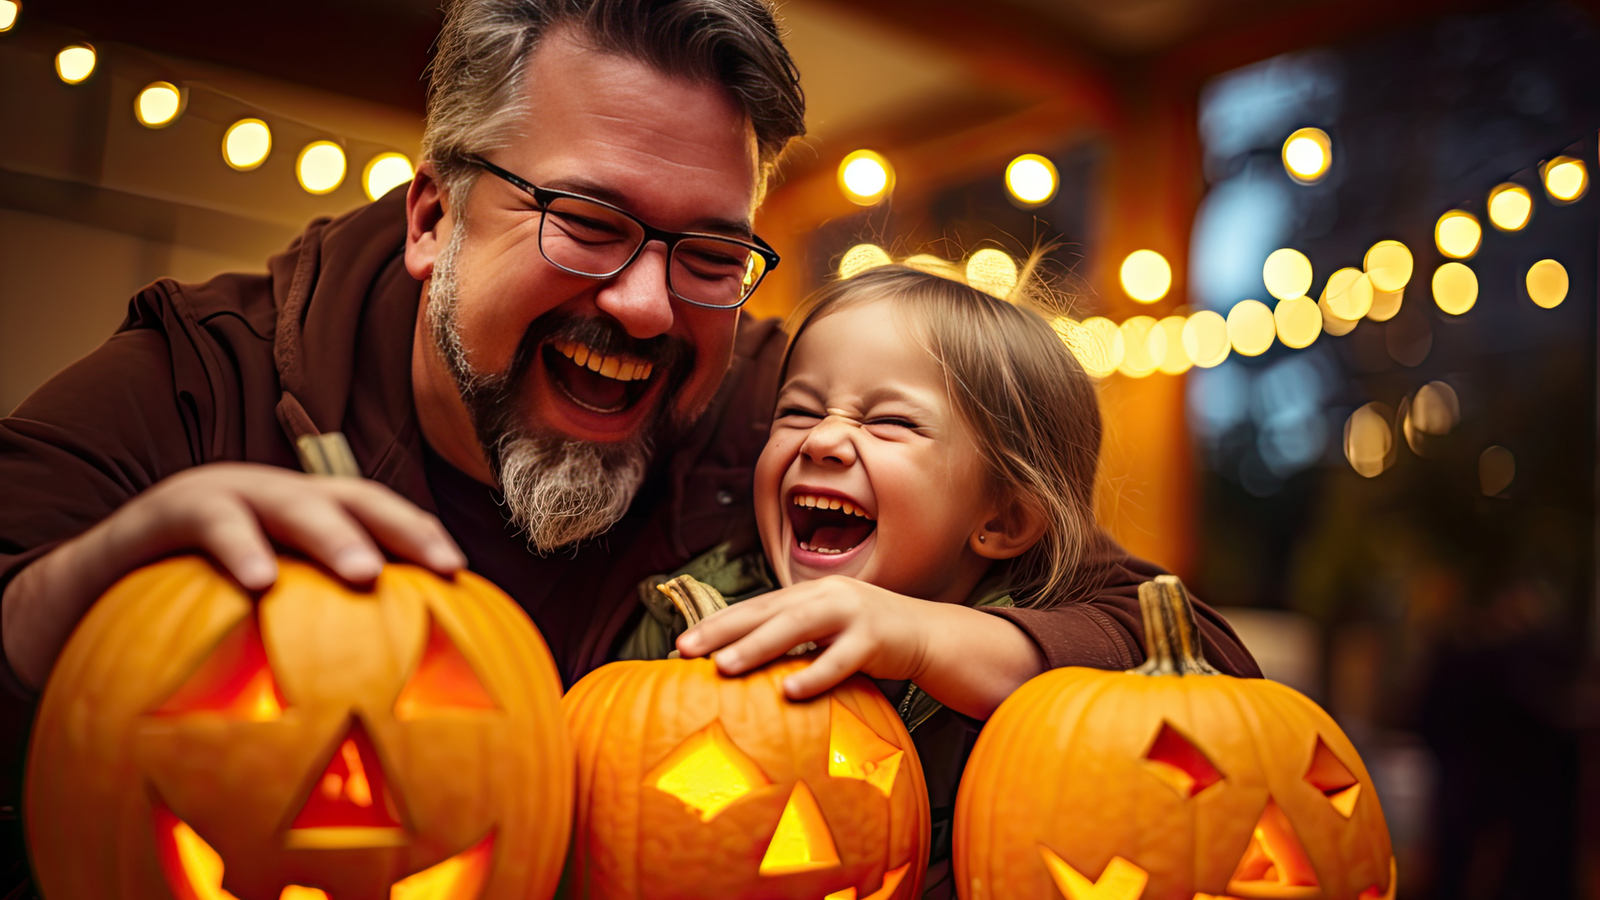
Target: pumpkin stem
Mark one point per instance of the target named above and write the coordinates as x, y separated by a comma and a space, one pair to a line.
1171, 637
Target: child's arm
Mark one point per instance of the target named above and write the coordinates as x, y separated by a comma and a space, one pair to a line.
968, 660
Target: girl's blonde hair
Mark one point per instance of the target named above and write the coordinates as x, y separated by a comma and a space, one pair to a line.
1029, 404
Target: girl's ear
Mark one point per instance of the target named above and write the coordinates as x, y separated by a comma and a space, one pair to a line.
1009, 533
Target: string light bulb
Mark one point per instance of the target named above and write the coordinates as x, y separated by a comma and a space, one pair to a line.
158, 105
865, 177
1031, 179
1146, 276
320, 167
246, 144
9, 10
75, 63
1457, 234
384, 173
1565, 179
1307, 155
1510, 207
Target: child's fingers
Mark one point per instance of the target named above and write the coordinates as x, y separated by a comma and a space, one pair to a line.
782, 631
724, 627
838, 662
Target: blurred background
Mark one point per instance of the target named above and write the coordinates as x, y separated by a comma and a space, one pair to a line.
1333, 264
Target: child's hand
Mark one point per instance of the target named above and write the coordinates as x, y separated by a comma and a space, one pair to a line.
861, 628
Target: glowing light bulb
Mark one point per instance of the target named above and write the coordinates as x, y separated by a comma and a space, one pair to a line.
1547, 283
1389, 265
992, 271
158, 105
1510, 207
1251, 328
384, 173
865, 177
1307, 155
1287, 274
246, 144
9, 10
75, 63
1176, 360
1458, 234
320, 167
1298, 321
1031, 179
1205, 339
1455, 288
1332, 323
1109, 347
1146, 276
862, 257
1369, 441
1144, 346
1565, 179
1349, 294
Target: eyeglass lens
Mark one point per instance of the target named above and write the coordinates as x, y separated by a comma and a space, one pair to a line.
591, 239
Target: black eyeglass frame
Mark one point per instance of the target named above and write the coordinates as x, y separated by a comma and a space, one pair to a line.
543, 197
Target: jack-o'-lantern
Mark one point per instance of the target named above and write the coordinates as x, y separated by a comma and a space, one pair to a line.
403, 742
695, 785
1168, 782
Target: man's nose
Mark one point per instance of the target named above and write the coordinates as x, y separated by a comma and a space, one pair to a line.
831, 442
638, 297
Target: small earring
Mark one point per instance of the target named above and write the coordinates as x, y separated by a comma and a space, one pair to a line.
982, 538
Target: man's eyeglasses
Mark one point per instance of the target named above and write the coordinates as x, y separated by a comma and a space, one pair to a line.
590, 237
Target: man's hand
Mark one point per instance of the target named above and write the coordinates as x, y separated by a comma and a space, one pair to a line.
232, 512
968, 660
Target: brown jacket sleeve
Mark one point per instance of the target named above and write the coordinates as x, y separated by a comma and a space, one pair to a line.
1103, 629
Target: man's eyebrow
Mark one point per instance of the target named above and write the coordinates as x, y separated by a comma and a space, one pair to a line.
712, 224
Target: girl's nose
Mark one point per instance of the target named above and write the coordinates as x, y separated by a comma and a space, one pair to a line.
831, 442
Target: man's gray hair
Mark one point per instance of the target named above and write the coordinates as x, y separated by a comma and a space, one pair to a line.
476, 78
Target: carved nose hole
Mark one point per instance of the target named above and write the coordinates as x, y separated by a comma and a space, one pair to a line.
349, 805
1275, 857
802, 841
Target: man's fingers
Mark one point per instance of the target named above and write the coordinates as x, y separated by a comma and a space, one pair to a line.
227, 529
401, 527
320, 526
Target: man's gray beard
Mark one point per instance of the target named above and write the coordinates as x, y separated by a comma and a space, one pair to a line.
557, 490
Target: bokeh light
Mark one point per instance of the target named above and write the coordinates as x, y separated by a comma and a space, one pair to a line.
862, 257
1565, 179
1307, 154
1251, 328
1108, 346
1497, 468
1205, 339
157, 105
1084, 345
1146, 276
1349, 294
320, 167
1175, 360
1458, 234
1144, 345
865, 177
934, 265
1298, 321
1031, 179
1547, 283
1287, 274
1455, 288
992, 271
1369, 441
1388, 265
1385, 305
1510, 206
75, 63
1333, 324
9, 10
384, 173
246, 144
1429, 416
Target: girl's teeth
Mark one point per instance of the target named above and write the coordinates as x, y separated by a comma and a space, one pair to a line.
827, 551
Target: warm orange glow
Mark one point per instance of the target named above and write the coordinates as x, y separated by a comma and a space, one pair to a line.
855, 751
1144, 346
1330, 776
1205, 339
234, 682
707, 772
865, 177
350, 807
1120, 880
1031, 179
862, 257
320, 167
246, 144
385, 172
1307, 155
1275, 857
76, 63
992, 271
1179, 763
9, 10
891, 881
1175, 361
300, 892
1565, 179
1458, 234
802, 842
461, 877
1106, 348
442, 681
158, 104
1510, 207
1378, 893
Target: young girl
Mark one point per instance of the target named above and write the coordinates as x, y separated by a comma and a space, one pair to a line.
925, 502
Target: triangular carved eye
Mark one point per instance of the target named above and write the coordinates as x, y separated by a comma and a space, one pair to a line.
707, 772
1274, 860
1333, 779
856, 751
234, 682
442, 681
802, 841
1179, 763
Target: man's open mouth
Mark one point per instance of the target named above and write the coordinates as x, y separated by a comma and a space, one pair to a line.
827, 524
598, 382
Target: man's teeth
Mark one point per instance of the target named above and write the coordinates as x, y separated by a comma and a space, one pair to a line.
617, 368
817, 501
828, 551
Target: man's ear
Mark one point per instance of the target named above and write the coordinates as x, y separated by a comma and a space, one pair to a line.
1009, 532
428, 222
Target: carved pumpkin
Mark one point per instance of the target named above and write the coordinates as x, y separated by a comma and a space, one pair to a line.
1169, 782
400, 743
693, 785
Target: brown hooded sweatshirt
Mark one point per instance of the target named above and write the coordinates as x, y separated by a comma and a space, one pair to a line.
236, 368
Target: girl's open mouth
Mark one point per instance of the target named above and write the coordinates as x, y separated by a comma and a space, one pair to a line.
828, 525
